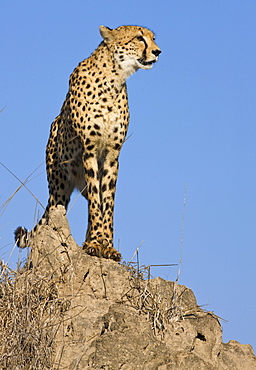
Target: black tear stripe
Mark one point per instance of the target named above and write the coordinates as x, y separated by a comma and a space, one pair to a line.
144, 53
146, 45
142, 39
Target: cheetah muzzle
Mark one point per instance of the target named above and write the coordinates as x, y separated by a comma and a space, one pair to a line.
87, 136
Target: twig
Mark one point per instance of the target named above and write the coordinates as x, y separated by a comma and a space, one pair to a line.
182, 232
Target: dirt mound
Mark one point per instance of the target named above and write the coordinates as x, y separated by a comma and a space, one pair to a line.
74, 311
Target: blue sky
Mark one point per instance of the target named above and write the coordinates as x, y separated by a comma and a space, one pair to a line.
192, 125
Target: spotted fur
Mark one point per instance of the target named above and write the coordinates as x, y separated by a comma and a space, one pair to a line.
87, 136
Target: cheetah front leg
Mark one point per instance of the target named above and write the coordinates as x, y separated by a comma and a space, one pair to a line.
100, 195
108, 190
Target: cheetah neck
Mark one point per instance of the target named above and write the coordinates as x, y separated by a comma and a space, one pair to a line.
128, 68
115, 71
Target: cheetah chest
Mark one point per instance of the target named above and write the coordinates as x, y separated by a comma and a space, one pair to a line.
107, 128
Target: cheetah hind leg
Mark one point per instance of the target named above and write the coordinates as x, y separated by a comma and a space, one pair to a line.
99, 250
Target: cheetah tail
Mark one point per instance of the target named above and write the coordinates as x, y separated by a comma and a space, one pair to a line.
20, 236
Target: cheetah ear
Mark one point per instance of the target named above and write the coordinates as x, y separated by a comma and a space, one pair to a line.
106, 33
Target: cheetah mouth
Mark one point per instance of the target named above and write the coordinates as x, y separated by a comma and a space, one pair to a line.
143, 62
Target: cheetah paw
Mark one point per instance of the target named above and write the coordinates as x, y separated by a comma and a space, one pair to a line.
92, 249
111, 253
98, 250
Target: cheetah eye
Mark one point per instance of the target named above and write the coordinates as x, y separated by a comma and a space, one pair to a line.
140, 38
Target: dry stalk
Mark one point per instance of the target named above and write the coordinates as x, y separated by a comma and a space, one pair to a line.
160, 310
29, 311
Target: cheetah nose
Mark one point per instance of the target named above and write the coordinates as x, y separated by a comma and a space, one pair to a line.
157, 52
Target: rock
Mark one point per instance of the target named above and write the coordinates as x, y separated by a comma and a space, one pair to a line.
114, 320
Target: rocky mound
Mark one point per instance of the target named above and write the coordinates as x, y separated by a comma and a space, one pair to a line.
93, 313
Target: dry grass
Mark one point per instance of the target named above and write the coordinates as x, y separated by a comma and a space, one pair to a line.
30, 312
148, 300
160, 309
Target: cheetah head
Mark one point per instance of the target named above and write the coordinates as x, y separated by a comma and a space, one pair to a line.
133, 46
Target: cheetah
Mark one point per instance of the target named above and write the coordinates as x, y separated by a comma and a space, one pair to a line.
87, 136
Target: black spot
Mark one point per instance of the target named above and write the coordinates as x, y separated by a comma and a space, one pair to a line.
95, 190
104, 187
88, 155
117, 146
112, 184
97, 127
90, 172
90, 147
